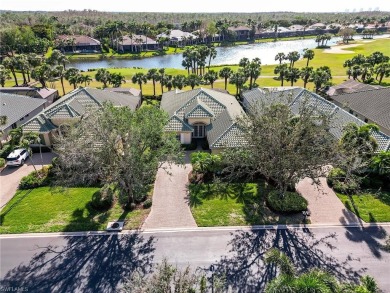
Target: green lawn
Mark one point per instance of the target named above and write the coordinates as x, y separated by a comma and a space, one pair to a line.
46, 210
233, 205
369, 207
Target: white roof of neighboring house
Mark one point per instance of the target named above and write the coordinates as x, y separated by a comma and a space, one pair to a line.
177, 35
296, 27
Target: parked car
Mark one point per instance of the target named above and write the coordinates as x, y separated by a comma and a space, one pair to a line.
17, 157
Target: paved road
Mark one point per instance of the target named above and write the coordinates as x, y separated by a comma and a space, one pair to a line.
11, 176
99, 263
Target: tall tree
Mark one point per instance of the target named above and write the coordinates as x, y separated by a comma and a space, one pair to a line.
305, 74
309, 55
212, 53
153, 75
59, 72
72, 75
193, 80
382, 70
225, 73
293, 57
42, 73
320, 77
5, 74
10, 63
103, 76
210, 77
283, 146
139, 78
238, 78
116, 79
280, 57
162, 78
281, 69
179, 81
293, 75
131, 147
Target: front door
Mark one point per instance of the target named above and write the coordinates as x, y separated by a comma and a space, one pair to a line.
199, 131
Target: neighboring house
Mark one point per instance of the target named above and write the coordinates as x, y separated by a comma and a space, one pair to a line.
242, 32
135, 93
71, 107
78, 44
179, 37
296, 27
17, 109
136, 43
298, 97
49, 95
204, 113
317, 26
371, 106
350, 86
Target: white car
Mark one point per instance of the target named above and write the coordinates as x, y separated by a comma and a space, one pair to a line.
17, 157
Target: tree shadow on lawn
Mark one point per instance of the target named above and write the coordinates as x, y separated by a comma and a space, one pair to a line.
244, 268
251, 196
370, 234
94, 263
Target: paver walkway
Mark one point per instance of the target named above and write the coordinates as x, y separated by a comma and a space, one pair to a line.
170, 207
325, 206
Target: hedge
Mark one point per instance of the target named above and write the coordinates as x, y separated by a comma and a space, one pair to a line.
290, 203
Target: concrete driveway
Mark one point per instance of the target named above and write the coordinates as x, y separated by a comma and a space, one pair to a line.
11, 176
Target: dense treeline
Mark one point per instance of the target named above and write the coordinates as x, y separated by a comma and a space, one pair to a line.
84, 21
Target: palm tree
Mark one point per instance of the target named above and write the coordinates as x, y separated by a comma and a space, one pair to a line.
319, 77
305, 74
23, 66
168, 81
59, 72
238, 78
42, 73
253, 70
356, 71
281, 69
309, 55
348, 63
5, 74
293, 57
72, 75
211, 76
212, 53
139, 78
153, 75
225, 73
382, 70
193, 80
367, 69
103, 75
161, 71
280, 57
293, 75
179, 81
86, 79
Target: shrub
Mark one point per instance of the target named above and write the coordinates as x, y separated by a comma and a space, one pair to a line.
5, 151
335, 175
36, 179
103, 198
290, 203
147, 204
2, 162
345, 188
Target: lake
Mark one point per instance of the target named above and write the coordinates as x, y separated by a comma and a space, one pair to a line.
225, 55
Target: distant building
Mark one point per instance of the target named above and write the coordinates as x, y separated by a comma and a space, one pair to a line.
179, 37
17, 109
318, 25
242, 32
136, 43
49, 95
78, 44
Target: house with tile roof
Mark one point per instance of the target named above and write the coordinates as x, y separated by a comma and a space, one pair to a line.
136, 43
72, 106
179, 37
370, 106
204, 113
49, 95
350, 86
297, 97
78, 44
17, 109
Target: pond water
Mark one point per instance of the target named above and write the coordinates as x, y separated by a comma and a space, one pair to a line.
225, 55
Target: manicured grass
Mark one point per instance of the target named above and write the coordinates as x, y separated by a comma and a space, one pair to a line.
46, 210
233, 205
370, 207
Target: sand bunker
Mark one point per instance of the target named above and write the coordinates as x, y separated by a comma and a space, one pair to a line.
340, 49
